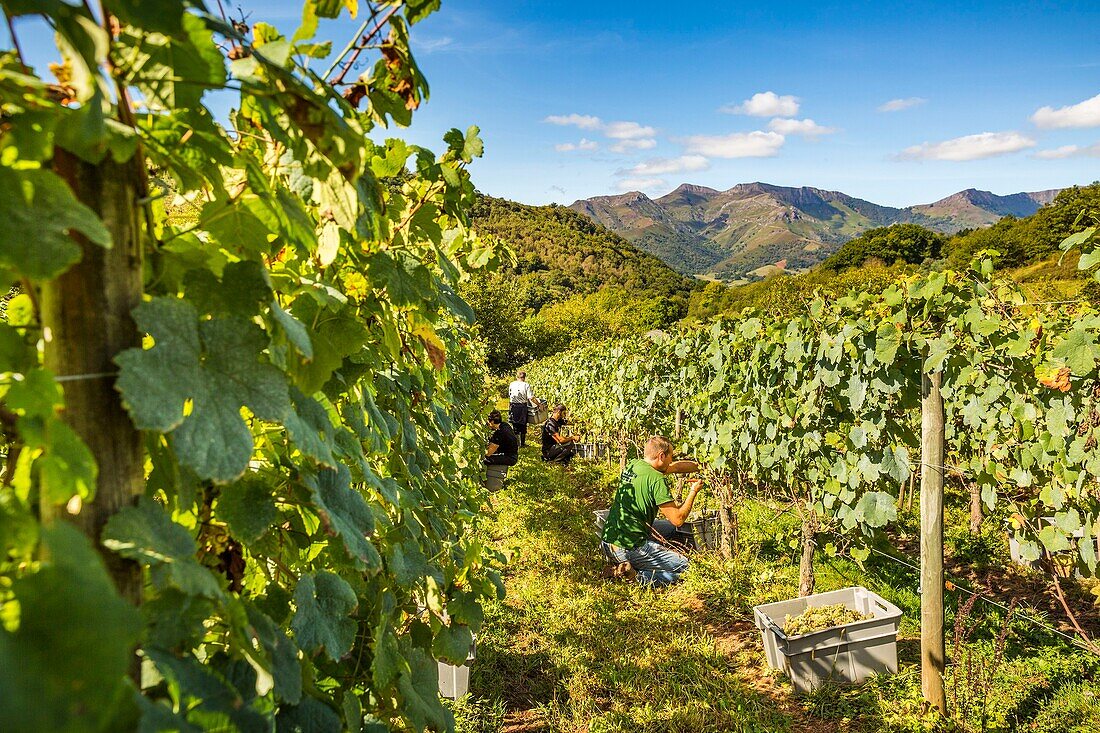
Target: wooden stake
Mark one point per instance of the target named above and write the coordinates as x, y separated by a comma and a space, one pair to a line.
86, 319
932, 652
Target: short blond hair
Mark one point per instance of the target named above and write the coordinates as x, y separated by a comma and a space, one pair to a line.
657, 445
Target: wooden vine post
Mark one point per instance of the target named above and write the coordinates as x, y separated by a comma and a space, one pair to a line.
86, 319
932, 652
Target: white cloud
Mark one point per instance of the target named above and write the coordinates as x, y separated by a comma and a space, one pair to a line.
664, 166
628, 135
639, 184
806, 127
756, 144
430, 45
625, 146
765, 104
897, 105
628, 130
1082, 114
585, 122
584, 144
1070, 151
970, 147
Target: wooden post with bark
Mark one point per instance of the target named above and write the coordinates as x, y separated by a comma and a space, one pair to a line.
932, 651
976, 514
807, 581
86, 319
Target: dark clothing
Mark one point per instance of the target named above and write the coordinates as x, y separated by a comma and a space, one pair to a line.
518, 416
517, 413
552, 450
498, 459
507, 446
560, 453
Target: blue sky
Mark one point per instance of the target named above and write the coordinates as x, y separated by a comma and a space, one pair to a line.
578, 99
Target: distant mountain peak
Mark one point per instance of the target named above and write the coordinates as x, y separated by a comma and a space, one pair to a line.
700, 230
693, 188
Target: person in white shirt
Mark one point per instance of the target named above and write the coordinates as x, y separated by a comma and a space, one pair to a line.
520, 399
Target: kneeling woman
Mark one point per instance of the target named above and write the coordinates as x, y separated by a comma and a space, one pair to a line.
503, 444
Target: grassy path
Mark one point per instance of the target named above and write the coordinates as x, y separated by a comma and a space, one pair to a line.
570, 651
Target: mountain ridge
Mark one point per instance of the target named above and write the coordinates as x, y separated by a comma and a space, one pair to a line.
699, 230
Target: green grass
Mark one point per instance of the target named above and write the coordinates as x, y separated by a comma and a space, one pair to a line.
569, 651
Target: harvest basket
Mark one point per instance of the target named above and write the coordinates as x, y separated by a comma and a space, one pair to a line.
701, 533
849, 653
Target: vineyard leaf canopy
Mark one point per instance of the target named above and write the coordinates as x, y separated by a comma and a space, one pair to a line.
37, 213
148, 534
52, 681
325, 602
217, 366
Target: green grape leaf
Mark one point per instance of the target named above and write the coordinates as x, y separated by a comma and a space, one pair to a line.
310, 428
389, 662
175, 620
65, 465
1053, 538
1079, 351
453, 643
209, 699
15, 355
876, 509
216, 367
172, 71
419, 691
243, 288
161, 17
887, 342
309, 716
345, 514
147, 534
39, 212
282, 655
334, 335
64, 667
248, 508
236, 227
158, 717
295, 331
324, 603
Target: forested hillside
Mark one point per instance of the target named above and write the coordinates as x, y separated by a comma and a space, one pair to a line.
572, 280
567, 253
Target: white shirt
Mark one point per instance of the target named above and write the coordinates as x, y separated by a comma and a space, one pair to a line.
520, 392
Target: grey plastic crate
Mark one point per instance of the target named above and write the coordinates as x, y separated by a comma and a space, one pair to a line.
586, 450
850, 653
600, 519
454, 680
494, 477
703, 532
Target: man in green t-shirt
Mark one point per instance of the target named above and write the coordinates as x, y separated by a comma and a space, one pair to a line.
642, 493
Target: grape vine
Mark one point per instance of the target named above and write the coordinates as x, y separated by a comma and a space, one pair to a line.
306, 390
824, 408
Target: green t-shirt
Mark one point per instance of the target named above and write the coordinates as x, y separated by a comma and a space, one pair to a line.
642, 489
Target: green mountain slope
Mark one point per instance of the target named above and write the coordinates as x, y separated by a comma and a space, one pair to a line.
746, 230
565, 253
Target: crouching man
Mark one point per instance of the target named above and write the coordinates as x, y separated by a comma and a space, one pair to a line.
642, 493
503, 447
